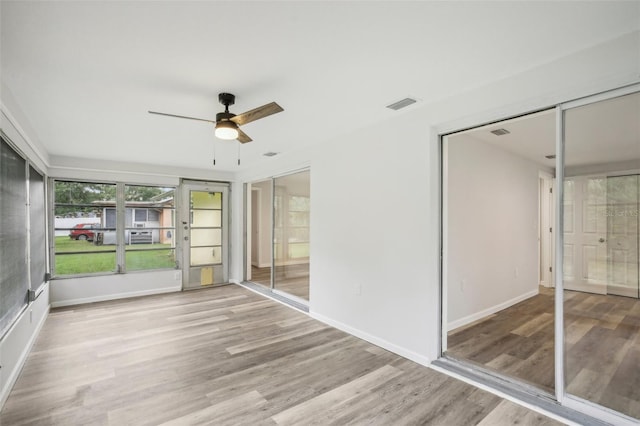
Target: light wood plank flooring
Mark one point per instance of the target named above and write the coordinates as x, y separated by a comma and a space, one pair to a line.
602, 343
292, 279
229, 356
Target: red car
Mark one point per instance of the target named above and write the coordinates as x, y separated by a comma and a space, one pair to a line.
83, 231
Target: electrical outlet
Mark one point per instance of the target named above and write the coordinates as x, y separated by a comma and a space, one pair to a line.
463, 284
176, 275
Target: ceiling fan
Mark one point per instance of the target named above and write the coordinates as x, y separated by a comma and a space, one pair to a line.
227, 123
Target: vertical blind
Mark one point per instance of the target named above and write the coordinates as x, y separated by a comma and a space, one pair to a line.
14, 282
37, 228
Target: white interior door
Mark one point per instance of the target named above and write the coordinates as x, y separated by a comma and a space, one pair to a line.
585, 232
622, 235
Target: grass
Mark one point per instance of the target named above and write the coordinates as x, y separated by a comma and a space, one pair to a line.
93, 258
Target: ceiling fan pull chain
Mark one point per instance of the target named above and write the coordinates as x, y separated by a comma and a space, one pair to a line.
238, 154
214, 153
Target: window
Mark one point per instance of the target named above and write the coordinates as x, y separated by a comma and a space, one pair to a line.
89, 237
22, 255
150, 240
80, 247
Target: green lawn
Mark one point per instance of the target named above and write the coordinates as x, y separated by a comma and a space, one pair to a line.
94, 259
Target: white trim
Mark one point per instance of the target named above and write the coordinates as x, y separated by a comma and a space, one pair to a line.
558, 314
491, 310
399, 350
13, 376
603, 96
20, 131
105, 297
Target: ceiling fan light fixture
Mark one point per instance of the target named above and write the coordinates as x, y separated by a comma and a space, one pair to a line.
227, 130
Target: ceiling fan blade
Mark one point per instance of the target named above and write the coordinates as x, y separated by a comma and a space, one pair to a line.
182, 116
257, 113
242, 137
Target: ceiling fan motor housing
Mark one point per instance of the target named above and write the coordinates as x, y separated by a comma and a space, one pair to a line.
227, 99
224, 116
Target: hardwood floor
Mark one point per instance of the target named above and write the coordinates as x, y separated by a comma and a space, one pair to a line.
292, 279
229, 356
602, 343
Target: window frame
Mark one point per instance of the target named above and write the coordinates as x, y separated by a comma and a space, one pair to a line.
120, 228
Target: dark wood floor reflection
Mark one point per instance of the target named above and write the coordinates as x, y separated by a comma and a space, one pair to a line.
292, 279
227, 356
602, 343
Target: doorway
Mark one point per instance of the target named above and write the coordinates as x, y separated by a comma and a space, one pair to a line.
205, 234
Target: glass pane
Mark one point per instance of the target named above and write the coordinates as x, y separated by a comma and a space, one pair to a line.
601, 286
206, 218
85, 263
292, 207
206, 237
259, 224
150, 259
206, 255
85, 220
37, 228
149, 224
206, 200
500, 300
13, 247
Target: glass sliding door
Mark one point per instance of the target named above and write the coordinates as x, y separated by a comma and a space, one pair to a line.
291, 209
277, 234
577, 343
601, 287
498, 248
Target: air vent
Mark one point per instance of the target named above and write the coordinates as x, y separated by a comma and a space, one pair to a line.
500, 132
401, 104
270, 154
550, 157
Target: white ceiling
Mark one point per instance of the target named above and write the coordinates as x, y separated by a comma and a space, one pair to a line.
86, 73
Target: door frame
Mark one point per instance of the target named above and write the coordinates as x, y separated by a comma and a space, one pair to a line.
186, 186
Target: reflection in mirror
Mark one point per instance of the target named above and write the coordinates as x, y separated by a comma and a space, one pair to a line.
498, 243
292, 208
259, 222
601, 305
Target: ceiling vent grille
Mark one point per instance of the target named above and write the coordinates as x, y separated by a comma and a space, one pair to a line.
500, 132
270, 154
401, 104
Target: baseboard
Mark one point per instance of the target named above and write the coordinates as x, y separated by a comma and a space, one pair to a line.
105, 297
489, 311
399, 350
13, 375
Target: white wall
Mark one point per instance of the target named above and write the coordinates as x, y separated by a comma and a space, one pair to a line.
375, 227
74, 291
491, 254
